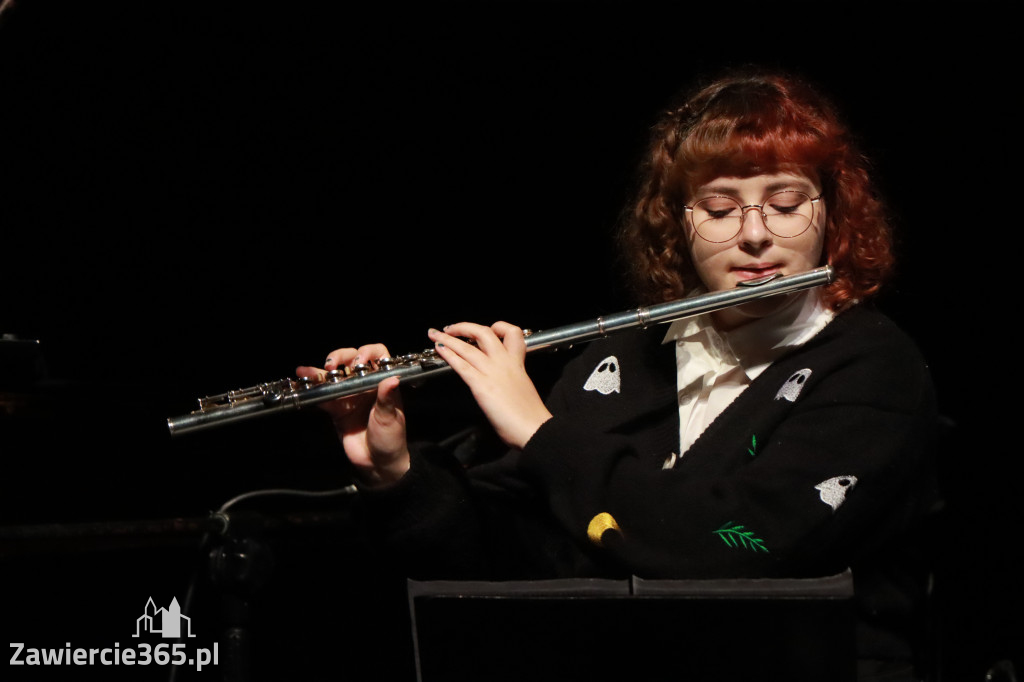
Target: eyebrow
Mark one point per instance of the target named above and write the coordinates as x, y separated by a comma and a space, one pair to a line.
729, 190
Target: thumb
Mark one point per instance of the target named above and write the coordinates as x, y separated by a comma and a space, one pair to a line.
388, 408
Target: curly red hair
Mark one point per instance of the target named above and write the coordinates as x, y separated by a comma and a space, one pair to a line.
742, 125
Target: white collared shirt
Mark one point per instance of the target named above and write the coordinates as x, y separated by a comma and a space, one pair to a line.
714, 367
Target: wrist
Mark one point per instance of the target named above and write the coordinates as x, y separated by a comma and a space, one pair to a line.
395, 469
386, 473
530, 427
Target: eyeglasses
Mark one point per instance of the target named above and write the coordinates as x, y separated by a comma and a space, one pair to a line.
786, 214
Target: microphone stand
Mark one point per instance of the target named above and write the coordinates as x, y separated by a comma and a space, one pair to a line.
240, 565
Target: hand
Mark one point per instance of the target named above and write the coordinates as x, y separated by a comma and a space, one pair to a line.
371, 427
494, 369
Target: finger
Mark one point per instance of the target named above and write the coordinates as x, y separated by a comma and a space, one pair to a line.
304, 371
455, 360
388, 406
347, 357
373, 351
459, 353
511, 337
481, 337
339, 358
350, 413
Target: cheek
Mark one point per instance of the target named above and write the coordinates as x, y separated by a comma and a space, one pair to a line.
821, 230
816, 250
701, 250
810, 246
696, 247
705, 256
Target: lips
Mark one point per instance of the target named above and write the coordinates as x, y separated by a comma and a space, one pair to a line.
755, 270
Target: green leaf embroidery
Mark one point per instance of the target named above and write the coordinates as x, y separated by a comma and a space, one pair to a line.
753, 445
736, 535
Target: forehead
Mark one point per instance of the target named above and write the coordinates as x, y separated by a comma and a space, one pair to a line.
758, 185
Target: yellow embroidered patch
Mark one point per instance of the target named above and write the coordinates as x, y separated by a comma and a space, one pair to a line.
599, 525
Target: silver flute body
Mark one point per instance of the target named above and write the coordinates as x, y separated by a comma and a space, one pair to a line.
291, 394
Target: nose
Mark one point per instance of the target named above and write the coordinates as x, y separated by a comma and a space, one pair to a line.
754, 232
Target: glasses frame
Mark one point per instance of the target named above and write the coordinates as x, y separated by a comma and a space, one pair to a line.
760, 207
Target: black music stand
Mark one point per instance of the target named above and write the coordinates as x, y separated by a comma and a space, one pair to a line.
799, 630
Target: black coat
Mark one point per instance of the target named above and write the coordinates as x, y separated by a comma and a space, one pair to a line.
822, 463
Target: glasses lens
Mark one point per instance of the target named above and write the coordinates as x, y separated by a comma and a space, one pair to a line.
788, 214
717, 219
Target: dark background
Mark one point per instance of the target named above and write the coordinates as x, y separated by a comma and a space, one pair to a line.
198, 197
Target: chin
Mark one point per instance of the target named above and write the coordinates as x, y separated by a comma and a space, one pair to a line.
736, 316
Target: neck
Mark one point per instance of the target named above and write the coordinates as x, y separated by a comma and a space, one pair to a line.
728, 319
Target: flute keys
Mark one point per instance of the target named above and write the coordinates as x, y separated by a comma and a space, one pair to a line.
306, 382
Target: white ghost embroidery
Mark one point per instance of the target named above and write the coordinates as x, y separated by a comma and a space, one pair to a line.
605, 378
833, 491
794, 384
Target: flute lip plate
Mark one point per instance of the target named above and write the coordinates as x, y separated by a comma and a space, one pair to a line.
758, 281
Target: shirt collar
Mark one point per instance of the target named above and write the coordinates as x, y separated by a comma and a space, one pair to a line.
753, 346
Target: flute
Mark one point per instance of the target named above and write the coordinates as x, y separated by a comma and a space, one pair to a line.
285, 395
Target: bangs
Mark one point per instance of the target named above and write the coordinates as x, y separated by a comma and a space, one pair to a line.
741, 156
750, 131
